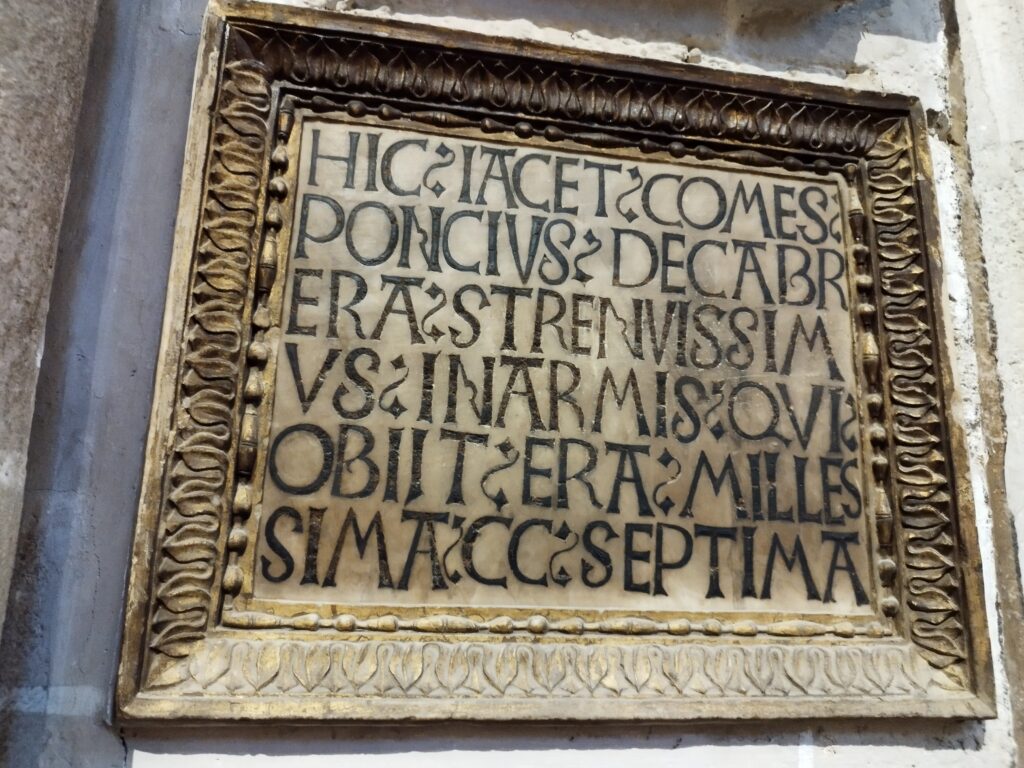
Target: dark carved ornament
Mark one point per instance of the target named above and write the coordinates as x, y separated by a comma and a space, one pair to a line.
190, 653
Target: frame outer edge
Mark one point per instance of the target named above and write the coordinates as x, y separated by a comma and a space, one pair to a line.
139, 588
166, 711
979, 646
131, 706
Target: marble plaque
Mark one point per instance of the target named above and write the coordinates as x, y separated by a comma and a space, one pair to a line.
511, 376
491, 384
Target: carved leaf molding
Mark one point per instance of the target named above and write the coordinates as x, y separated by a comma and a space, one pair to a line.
523, 88
925, 501
397, 669
197, 476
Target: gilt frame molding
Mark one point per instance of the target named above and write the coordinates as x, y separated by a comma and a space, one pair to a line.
188, 656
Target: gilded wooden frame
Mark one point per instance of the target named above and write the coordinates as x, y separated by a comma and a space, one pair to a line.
189, 655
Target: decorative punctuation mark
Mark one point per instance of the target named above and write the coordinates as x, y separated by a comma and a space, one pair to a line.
562, 577
434, 291
508, 450
395, 407
595, 245
716, 429
437, 187
666, 459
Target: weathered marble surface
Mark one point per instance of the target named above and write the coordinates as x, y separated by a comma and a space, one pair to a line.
537, 377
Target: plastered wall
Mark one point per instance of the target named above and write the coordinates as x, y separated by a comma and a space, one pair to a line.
59, 645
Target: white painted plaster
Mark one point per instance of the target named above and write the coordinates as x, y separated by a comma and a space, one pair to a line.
993, 31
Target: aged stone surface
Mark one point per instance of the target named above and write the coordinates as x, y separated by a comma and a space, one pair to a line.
43, 66
224, 606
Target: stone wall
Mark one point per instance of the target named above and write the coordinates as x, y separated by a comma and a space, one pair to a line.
59, 645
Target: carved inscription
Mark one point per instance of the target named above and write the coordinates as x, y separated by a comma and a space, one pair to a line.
513, 376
